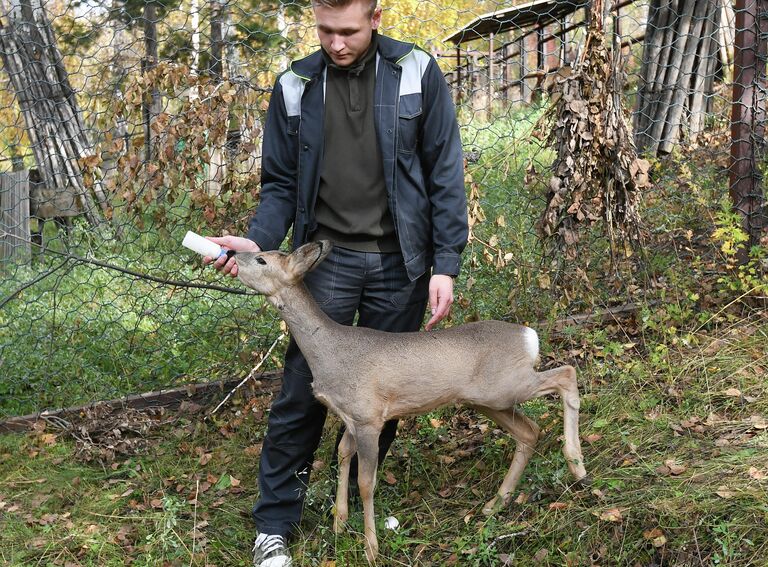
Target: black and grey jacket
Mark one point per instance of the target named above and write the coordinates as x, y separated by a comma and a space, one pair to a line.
421, 151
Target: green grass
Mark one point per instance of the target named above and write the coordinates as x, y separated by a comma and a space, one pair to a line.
674, 435
86, 333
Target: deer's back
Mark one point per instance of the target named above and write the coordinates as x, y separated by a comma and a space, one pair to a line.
397, 374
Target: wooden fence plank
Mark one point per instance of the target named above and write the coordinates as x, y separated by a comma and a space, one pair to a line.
14, 217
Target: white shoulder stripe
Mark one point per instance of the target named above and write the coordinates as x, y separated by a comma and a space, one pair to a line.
414, 66
293, 89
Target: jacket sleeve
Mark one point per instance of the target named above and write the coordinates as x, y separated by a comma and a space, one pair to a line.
277, 200
443, 166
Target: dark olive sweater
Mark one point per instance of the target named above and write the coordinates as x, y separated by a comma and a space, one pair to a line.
351, 208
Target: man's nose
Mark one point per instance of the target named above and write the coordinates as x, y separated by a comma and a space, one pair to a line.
337, 43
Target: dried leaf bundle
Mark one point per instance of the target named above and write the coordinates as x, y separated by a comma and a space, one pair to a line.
596, 174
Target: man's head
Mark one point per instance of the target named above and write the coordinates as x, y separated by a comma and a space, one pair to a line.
345, 27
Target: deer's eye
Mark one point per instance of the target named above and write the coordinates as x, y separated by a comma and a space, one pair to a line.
260, 260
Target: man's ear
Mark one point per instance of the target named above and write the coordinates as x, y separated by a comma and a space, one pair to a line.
376, 18
305, 258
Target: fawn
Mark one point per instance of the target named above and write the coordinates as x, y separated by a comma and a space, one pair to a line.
368, 377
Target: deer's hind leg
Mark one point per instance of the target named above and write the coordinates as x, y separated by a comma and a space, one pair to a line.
525, 432
562, 381
346, 450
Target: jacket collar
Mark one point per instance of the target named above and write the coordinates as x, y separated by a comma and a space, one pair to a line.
313, 65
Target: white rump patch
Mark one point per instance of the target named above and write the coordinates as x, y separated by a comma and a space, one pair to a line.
531, 343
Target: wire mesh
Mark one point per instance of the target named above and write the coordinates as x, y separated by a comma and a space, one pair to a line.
123, 124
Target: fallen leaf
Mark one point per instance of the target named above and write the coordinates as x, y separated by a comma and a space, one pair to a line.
558, 506
725, 492
389, 478
47, 439
611, 515
733, 392
654, 533
757, 474
713, 347
599, 493
593, 438
541, 555
205, 458
253, 450
674, 468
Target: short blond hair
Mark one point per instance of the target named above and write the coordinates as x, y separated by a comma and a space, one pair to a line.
344, 3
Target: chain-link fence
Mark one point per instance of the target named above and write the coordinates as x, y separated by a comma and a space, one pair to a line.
125, 123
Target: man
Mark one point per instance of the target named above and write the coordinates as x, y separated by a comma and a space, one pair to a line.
361, 147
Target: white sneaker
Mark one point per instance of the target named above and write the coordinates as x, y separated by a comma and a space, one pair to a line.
271, 551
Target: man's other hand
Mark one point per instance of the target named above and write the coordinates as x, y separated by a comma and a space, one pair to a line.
440, 298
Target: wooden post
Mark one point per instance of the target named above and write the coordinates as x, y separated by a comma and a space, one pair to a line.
748, 117
15, 241
505, 72
458, 75
525, 91
490, 76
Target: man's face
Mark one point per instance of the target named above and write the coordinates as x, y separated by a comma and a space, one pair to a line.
345, 33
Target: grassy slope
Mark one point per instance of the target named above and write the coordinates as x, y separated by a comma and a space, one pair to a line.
674, 424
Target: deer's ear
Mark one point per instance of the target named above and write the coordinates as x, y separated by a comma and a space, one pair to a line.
305, 258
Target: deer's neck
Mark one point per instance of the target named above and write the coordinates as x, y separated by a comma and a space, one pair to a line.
307, 322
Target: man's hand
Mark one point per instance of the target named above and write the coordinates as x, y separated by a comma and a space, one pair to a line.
440, 298
238, 244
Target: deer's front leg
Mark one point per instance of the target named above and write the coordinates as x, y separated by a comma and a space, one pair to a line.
367, 463
346, 451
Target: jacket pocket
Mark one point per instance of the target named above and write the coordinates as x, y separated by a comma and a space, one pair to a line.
409, 122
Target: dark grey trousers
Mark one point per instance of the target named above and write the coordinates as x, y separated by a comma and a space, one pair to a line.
372, 287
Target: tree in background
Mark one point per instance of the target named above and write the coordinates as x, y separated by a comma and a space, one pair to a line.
54, 124
748, 120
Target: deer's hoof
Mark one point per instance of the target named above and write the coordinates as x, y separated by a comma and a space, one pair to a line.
371, 551
583, 482
338, 523
494, 505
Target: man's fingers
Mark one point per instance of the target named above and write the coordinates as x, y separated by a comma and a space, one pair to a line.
440, 310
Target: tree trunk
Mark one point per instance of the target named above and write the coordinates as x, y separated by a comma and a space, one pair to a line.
195, 37
748, 117
151, 106
216, 62
53, 120
216, 163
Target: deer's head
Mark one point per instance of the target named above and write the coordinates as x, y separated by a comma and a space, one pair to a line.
269, 272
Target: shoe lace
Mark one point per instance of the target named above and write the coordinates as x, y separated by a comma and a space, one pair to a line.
267, 544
